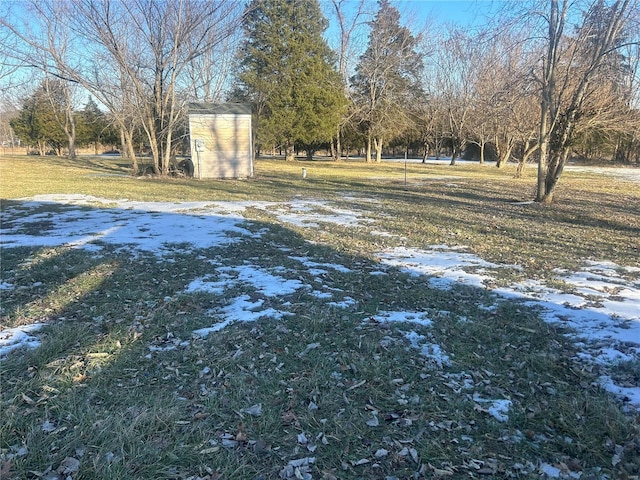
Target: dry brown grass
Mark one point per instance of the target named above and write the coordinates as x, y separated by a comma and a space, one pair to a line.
94, 393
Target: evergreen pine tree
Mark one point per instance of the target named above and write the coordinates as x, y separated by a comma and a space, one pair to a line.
90, 123
386, 82
36, 124
287, 72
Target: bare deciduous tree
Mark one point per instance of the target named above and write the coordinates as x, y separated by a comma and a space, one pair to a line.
349, 20
134, 57
61, 98
8, 44
149, 46
207, 76
387, 80
46, 46
458, 66
571, 66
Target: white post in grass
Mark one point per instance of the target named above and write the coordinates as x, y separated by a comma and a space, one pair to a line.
405, 167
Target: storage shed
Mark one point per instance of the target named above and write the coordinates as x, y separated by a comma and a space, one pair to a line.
221, 140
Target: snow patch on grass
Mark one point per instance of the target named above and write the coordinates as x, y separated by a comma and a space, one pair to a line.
498, 409
601, 312
408, 317
241, 309
19, 337
448, 265
431, 351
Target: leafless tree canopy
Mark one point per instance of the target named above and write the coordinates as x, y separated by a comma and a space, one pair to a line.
141, 59
544, 79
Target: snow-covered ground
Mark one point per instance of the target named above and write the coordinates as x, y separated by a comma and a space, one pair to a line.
631, 174
603, 312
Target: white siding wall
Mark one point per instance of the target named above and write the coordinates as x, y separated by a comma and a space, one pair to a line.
228, 151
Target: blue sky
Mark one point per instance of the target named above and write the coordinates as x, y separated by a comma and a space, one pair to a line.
435, 13
462, 12
416, 14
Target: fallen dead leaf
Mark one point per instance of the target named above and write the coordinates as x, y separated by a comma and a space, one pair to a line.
301, 462
5, 469
359, 384
380, 453
200, 415
289, 418
69, 465
254, 410
48, 427
207, 451
439, 472
260, 446
373, 422
414, 454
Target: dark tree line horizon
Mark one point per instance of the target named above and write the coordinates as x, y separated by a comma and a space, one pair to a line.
546, 81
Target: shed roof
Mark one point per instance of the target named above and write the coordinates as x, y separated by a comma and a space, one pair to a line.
220, 108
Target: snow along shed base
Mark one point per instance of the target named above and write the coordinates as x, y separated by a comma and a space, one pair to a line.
221, 140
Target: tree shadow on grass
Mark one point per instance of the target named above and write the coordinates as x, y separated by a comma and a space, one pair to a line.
121, 384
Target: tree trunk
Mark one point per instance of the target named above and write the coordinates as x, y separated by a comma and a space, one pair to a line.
150, 130
542, 171
456, 151
72, 145
504, 157
70, 127
124, 150
527, 152
70, 131
155, 155
126, 137
289, 152
166, 161
554, 171
336, 146
378, 145
547, 110
368, 149
543, 147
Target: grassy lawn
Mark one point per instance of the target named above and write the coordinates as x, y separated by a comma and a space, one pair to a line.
122, 389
